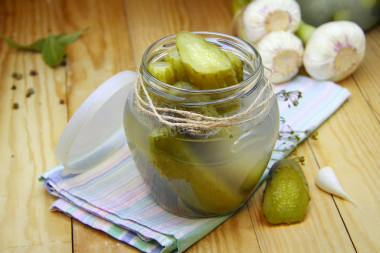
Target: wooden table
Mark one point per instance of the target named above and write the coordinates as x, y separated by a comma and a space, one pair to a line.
118, 33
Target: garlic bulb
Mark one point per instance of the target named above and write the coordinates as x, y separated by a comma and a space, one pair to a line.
264, 16
327, 181
281, 52
334, 50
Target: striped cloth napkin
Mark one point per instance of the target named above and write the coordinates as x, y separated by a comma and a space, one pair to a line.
113, 198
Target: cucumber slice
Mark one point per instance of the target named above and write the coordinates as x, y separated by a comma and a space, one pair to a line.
286, 195
163, 71
206, 65
237, 64
230, 108
206, 109
255, 174
173, 158
166, 153
185, 85
175, 60
182, 85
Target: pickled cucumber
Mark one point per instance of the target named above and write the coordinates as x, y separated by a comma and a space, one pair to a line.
185, 85
255, 174
286, 195
163, 71
237, 64
175, 60
207, 110
173, 159
206, 65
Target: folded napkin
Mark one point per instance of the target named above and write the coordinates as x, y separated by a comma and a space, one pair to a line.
112, 196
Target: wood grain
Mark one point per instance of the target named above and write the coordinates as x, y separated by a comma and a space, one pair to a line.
367, 76
234, 235
152, 20
29, 134
351, 148
101, 52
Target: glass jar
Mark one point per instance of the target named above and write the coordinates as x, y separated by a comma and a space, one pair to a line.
209, 171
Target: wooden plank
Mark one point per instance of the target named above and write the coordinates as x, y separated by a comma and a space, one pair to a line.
101, 52
367, 76
235, 235
353, 137
153, 20
322, 230
29, 134
349, 143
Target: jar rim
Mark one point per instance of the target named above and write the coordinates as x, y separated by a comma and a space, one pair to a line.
249, 80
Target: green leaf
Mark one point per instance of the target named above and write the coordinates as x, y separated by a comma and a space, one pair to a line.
66, 39
36, 46
53, 52
52, 48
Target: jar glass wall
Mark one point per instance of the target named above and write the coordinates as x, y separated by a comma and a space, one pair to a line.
209, 171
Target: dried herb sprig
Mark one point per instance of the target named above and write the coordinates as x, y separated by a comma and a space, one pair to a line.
291, 96
288, 134
300, 159
291, 138
52, 48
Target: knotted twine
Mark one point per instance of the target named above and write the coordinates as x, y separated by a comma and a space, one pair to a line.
194, 122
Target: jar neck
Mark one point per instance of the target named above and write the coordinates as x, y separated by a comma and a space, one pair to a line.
253, 72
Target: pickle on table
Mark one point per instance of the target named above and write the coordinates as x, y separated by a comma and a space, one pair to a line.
237, 64
286, 194
175, 60
174, 159
206, 65
163, 71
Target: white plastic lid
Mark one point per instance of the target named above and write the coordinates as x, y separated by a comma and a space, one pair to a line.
96, 128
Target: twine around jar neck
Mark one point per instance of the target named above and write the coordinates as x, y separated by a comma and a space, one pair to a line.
193, 122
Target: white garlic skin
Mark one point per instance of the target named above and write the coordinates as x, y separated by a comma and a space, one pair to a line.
327, 181
324, 45
274, 43
257, 12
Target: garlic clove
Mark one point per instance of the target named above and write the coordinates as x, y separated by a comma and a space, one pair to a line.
261, 17
281, 52
327, 181
334, 50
